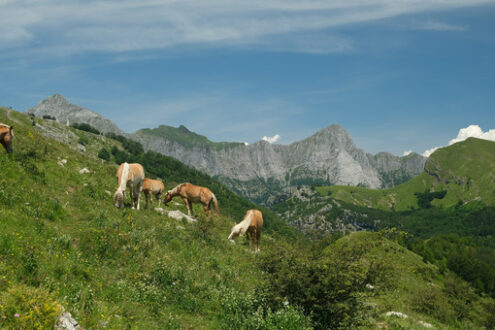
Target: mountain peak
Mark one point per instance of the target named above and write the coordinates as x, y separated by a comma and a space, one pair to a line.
59, 107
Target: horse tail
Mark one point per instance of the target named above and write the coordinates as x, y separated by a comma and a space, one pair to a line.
124, 177
215, 204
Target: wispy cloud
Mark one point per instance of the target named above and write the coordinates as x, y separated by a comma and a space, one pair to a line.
439, 26
464, 133
61, 28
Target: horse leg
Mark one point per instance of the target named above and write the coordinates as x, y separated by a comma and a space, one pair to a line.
191, 208
207, 209
158, 198
258, 236
186, 201
139, 190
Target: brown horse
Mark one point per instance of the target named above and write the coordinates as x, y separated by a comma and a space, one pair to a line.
251, 225
153, 187
132, 175
6, 137
193, 194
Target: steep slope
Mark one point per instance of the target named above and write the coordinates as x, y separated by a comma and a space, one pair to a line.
63, 243
65, 112
465, 170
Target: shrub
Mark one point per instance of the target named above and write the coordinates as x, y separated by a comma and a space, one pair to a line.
104, 154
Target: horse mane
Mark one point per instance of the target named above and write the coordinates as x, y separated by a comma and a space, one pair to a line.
123, 177
244, 224
175, 190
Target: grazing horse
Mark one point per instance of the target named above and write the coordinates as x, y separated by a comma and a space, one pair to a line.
153, 187
193, 194
6, 137
251, 226
129, 175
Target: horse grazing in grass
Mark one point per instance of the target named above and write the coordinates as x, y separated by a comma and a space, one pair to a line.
251, 226
193, 194
153, 187
129, 175
6, 137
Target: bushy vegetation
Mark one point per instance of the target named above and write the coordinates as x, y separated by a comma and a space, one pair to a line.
85, 127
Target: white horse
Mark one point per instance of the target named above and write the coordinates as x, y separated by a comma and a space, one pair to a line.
251, 225
132, 175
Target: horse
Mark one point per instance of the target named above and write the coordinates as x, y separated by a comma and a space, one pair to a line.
251, 225
153, 187
129, 175
6, 137
193, 194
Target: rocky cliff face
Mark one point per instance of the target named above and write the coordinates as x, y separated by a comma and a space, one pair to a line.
65, 112
261, 171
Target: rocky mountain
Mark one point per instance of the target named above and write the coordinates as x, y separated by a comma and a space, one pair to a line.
264, 172
65, 112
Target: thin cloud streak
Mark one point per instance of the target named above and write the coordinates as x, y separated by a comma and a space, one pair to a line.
55, 27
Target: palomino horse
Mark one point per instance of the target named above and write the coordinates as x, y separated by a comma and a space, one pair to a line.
153, 187
251, 226
132, 175
6, 137
193, 194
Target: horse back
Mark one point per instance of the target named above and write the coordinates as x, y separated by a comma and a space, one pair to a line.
257, 219
137, 171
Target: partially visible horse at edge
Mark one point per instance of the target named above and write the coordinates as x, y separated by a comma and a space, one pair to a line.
193, 194
6, 137
153, 187
129, 175
251, 226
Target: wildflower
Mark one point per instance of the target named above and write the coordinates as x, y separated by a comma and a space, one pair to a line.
16, 315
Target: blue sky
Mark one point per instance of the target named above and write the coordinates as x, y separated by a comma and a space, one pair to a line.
397, 75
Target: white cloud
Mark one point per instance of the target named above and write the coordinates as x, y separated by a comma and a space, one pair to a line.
407, 152
59, 27
464, 133
272, 139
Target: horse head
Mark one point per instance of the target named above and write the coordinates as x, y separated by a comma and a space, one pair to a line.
119, 199
6, 139
168, 197
234, 232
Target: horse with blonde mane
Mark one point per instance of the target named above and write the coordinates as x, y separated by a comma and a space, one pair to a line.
251, 225
6, 137
193, 194
153, 187
129, 175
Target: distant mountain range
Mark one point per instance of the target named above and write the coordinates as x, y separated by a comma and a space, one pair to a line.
261, 171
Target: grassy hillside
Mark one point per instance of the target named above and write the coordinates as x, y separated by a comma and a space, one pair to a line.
466, 170
63, 243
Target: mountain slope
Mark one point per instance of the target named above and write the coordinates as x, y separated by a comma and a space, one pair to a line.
466, 170
65, 112
63, 243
